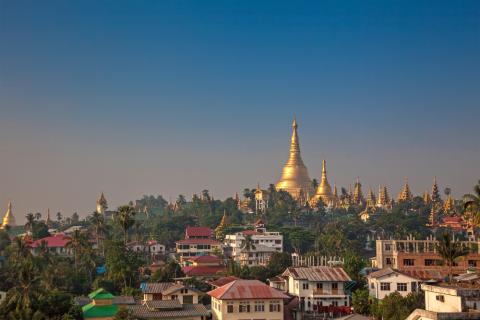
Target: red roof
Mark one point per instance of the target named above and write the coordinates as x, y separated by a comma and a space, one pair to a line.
250, 232
203, 271
198, 232
58, 240
246, 289
198, 241
223, 281
205, 259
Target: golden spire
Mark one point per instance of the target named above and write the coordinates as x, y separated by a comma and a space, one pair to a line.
220, 229
335, 193
295, 178
449, 205
371, 197
435, 193
357, 193
324, 191
406, 194
426, 197
9, 218
102, 205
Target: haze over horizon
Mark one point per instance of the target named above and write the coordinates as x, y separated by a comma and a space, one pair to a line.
174, 97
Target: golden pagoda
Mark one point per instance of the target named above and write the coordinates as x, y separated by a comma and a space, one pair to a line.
435, 197
220, 229
102, 204
295, 179
383, 200
449, 205
335, 193
324, 191
432, 222
426, 197
357, 193
9, 218
370, 208
405, 194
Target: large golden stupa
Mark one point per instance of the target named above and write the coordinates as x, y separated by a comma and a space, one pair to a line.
295, 179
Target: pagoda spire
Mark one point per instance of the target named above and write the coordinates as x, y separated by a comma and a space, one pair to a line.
357, 193
295, 178
9, 218
324, 191
435, 193
406, 194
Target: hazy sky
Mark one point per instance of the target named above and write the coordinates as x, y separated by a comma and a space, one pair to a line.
169, 97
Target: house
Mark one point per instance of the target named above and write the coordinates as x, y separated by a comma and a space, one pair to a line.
222, 281
204, 267
170, 291
383, 282
449, 302
169, 309
101, 306
263, 245
247, 299
56, 244
199, 233
419, 258
187, 248
152, 248
318, 287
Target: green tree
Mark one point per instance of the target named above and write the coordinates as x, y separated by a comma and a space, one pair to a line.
278, 263
125, 217
450, 251
122, 265
167, 273
124, 314
471, 205
360, 301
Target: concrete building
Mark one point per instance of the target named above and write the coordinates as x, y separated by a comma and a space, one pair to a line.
383, 282
56, 244
317, 287
419, 258
247, 299
263, 245
449, 302
198, 241
169, 291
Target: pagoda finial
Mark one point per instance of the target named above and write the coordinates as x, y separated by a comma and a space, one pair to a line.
9, 218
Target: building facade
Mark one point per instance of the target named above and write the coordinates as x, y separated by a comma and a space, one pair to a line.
383, 282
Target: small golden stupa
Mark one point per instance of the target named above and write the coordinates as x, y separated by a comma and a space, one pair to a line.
324, 191
295, 179
9, 218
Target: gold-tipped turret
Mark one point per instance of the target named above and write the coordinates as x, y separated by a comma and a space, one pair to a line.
449, 205
324, 191
357, 193
295, 179
102, 204
435, 193
406, 194
9, 218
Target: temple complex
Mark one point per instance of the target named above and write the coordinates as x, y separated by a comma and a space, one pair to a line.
295, 179
9, 218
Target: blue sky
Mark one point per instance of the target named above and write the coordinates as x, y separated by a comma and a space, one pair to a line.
149, 97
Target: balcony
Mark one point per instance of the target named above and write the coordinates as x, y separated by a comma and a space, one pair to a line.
325, 292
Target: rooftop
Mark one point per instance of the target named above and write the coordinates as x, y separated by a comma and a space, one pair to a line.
246, 289
58, 240
198, 232
387, 271
320, 273
198, 241
160, 312
155, 287
222, 281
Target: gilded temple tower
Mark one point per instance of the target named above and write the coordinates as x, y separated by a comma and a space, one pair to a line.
8, 218
405, 194
324, 191
295, 179
102, 205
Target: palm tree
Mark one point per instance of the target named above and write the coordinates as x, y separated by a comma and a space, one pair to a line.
247, 245
471, 205
77, 243
99, 223
450, 251
126, 218
30, 221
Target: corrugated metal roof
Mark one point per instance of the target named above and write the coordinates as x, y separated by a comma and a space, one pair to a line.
188, 310
386, 272
246, 289
198, 232
163, 304
319, 274
156, 287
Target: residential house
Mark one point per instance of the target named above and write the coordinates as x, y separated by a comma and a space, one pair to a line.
222, 281
170, 291
318, 287
204, 267
258, 252
198, 241
151, 248
169, 309
56, 244
101, 306
247, 299
449, 302
383, 282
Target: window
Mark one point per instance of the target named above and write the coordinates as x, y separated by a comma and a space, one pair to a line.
259, 306
414, 287
388, 247
401, 286
372, 285
388, 261
230, 307
244, 306
274, 306
440, 298
472, 263
305, 286
320, 286
334, 285
385, 286
408, 262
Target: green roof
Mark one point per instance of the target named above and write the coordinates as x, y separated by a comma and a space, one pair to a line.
101, 294
93, 311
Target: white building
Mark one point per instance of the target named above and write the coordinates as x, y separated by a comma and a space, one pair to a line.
383, 282
449, 302
264, 244
317, 287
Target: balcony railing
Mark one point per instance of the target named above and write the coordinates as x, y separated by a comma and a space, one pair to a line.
327, 292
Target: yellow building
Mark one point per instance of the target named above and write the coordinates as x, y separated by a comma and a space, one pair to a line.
295, 179
247, 299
